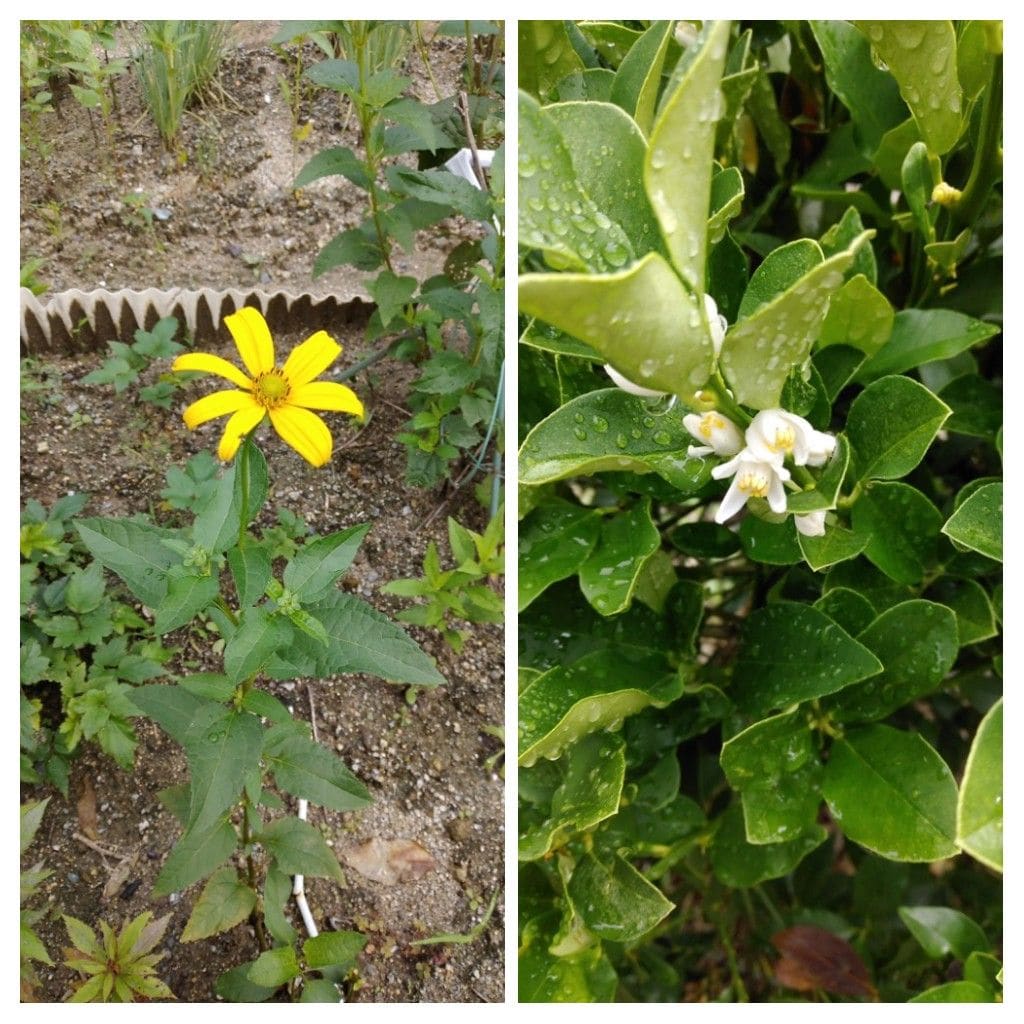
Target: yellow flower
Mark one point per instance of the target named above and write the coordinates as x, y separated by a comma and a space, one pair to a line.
286, 394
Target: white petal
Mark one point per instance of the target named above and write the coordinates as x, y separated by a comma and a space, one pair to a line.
811, 525
733, 501
698, 452
627, 385
776, 495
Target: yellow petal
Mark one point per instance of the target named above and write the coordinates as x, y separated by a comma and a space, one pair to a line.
311, 358
322, 394
245, 421
304, 431
252, 338
206, 363
220, 403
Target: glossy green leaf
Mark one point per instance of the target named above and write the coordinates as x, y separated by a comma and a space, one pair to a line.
770, 543
225, 901
900, 527
186, 597
836, 366
588, 84
610, 430
741, 865
555, 539
825, 494
792, 652
919, 179
851, 610
975, 617
759, 351
943, 931
780, 269
978, 522
613, 900
611, 39
550, 196
774, 765
836, 545
859, 316
587, 793
979, 813
309, 770
333, 949
917, 643
922, 336
582, 977
642, 320
250, 569
638, 78
726, 201
973, 58
677, 173
985, 970
727, 276
954, 992
863, 578
543, 336
891, 426
705, 540
300, 849
609, 575
977, 406
839, 237
546, 55
596, 692
607, 151
891, 792
921, 55
222, 745
316, 565
195, 855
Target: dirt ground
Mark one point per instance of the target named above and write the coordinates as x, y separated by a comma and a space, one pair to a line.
426, 763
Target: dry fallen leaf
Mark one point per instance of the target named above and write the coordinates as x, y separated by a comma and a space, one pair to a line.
87, 820
118, 877
813, 958
390, 861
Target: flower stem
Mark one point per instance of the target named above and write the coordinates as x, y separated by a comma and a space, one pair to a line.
988, 159
250, 867
725, 401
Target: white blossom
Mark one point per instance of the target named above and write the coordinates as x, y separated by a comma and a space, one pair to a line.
752, 477
774, 434
716, 322
719, 435
811, 524
627, 385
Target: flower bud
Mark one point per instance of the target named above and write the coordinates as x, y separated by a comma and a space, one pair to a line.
811, 524
719, 435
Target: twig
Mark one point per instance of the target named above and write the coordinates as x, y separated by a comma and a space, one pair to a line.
312, 711
102, 851
471, 141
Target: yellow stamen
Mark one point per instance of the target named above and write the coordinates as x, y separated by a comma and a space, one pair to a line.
785, 438
754, 483
709, 423
271, 389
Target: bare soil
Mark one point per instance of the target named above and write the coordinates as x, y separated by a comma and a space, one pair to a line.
423, 761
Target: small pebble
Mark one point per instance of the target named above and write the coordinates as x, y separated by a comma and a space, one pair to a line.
72, 877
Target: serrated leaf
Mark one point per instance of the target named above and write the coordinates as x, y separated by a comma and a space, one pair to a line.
171, 707
186, 597
316, 565
133, 551
196, 855
306, 769
336, 160
274, 967
300, 849
251, 570
225, 901
333, 949
251, 646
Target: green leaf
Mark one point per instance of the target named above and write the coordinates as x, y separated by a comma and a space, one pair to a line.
892, 793
134, 551
585, 976
251, 570
315, 567
859, 316
443, 188
546, 56
85, 589
977, 406
277, 893
761, 349
774, 765
31, 819
171, 707
978, 522
550, 195
726, 201
642, 320
779, 270
306, 769
836, 545
333, 949
900, 527
979, 812
337, 160
677, 171
224, 902
792, 652
954, 992
825, 494
607, 151
741, 865
596, 692
555, 539
917, 643
208, 686
587, 793
251, 646
840, 235
919, 178
195, 856
186, 596
299, 849
319, 990
392, 294
235, 987
638, 78
216, 525
274, 967
613, 900
923, 335
705, 540
610, 430
975, 617
770, 543
942, 931
985, 970
609, 576
921, 55
891, 425
250, 477
543, 336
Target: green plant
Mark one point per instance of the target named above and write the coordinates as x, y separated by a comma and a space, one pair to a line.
296, 91
462, 592
760, 580
127, 362
32, 948
121, 966
177, 63
29, 276
35, 98
39, 377
93, 86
